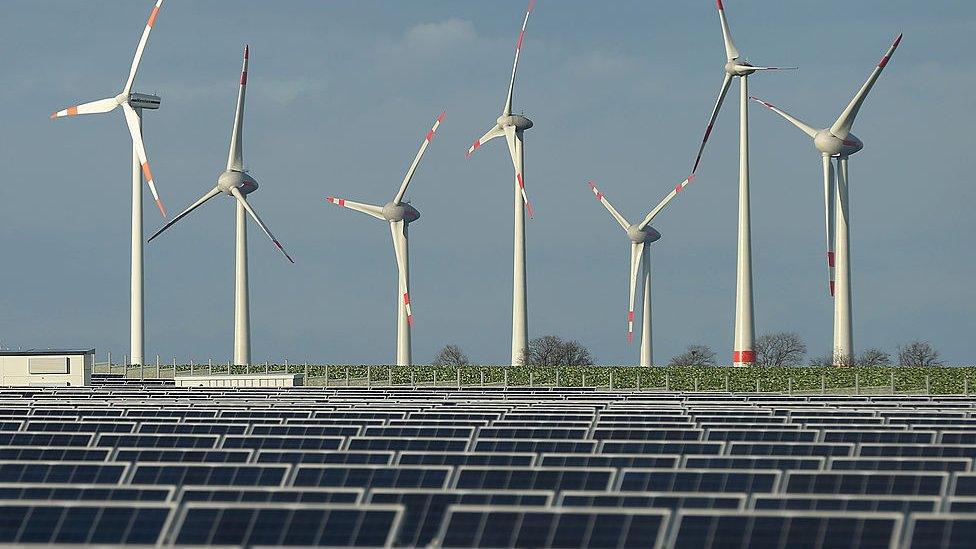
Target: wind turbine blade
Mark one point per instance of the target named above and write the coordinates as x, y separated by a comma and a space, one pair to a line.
730, 51
752, 68
636, 251
511, 136
398, 230
368, 209
507, 109
489, 135
235, 158
726, 82
142, 46
804, 127
667, 199
132, 121
828, 175
842, 127
210, 194
240, 198
621, 220
93, 107
416, 160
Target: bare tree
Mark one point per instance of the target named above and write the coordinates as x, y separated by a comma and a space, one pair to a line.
552, 350
873, 357
695, 355
918, 354
451, 355
780, 349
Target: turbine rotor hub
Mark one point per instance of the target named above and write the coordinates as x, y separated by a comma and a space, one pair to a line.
739, 68
400, 212
520, 122
647, 235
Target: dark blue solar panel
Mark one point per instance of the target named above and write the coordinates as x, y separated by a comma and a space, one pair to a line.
280, 442
526, 478
549, 433
858, 483
280, 525
465, 458
307, 430
364, 476
325, 456
93, 524
703, 448
409, 444
82, 492
45, 439
892, 437
210, 474
158, 441
194, 428
715, 529
654, 500
64, 453
900, 464
762, 435
81, 426
535, 446
790, 449
183, 455
681, 480
81, 472
942, 531
272, 495
895, 504
609, 460
646, 434
750, 462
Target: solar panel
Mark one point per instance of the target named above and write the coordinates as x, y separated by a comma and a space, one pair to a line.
53, 453
282, 442
650, 447
78, 522
697, 480
489, 526
957, 437
965, 504
245, 524
424, 510
535, 446
790, 449
210, 474
84, 492
157, 440
608, 460
940, 531
194, 428
895, 437
307, 430
894, 504
402, 431
372, 476
534, 478
866, 483
784, 530
656, 500
900, 464
80, 426
408, 444
762, 435
25, 438
83, 472
465, 458
546, 433
271, 495
183, 455
753, 462
325, 456
918, 450
646, 434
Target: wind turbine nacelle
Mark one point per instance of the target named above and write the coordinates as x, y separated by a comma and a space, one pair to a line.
231, 179
832, 145
520, 122
739, 68
144, 101
400, 212
647, 235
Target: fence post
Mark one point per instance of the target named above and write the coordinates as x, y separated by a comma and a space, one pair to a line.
389, 376
347, 376
435, 378
857, 382
558, 372
369, 377
891, 374
110, 362
459, 377
611, 380
639, 380
506, 378
823, 383
928, 384
413, 379
584, 380
789, 385
531, 379
965, 386
667, 381
326, 375
696, 381
482, 378
757, 385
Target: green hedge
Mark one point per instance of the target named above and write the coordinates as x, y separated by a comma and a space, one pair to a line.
942, 380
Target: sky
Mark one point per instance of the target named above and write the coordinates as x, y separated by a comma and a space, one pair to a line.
340, 95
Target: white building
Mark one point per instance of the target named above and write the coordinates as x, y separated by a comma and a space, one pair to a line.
50, 367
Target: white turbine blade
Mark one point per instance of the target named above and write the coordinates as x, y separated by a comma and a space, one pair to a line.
398, 230
240, 198
511, 136
752, 68
842, 126
93, 107
828, 175
730, 51
726, 82
507, 109
368, 209
235, 158
636, 251
804, 127
606, 203
210, 194
416, 160
489, 135
132, 121
667, 199
142, 46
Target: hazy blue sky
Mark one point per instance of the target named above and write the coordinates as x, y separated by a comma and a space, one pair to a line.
342, 92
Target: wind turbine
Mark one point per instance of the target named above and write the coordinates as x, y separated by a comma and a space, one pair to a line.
838, 142
234, 181
399, 214
736, 66
132, 105
640, 235
512, 127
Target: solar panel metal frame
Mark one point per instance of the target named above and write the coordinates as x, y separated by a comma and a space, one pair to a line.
966, 463
742, 498
170, 490
286, 476
181, 492
167, 524
945, 485
530, 457
449, 473
126, 467
658, 542
909, 532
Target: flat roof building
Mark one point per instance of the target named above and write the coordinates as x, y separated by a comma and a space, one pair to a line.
46, 367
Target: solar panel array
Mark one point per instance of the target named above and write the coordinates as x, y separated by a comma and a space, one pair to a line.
153, 464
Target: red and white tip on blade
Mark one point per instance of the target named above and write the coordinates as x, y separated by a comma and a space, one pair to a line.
437, 123
596, 191
630, 326
474, 146
525, 197
719, 4
406, 304
246, 51
336, 201
887, 56
830, 270
680, 186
